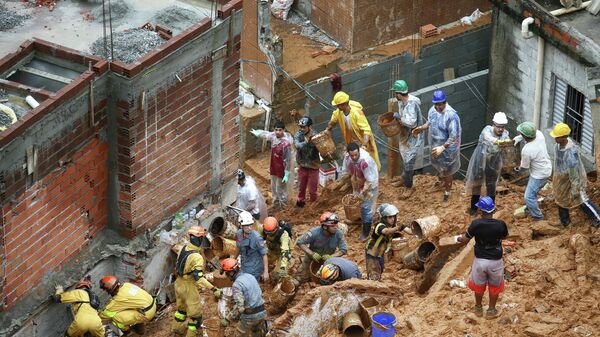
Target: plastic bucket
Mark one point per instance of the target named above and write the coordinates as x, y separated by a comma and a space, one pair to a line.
324, 144
223, 247
399, 248
314, 269
212, 327
220, 227
351, 205
388, 124
416, 259
282, 294
383, 324
423, 227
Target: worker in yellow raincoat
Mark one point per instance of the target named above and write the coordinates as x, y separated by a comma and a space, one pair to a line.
84, 304
190, 277
278, 239
353, 123
130, 307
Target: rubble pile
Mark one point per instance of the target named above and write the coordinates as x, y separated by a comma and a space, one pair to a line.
128, 45
10, 18
176, 18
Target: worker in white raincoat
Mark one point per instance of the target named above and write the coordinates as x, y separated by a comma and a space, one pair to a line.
409, 116
486, 162
444, 138
569, 179
249, 197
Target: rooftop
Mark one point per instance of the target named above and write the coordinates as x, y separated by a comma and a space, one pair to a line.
586, 23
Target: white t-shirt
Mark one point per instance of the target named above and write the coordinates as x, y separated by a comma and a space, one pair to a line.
534, 157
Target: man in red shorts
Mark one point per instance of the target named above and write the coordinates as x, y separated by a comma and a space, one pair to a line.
487, 269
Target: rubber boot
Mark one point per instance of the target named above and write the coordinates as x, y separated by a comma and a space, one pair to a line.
365, 232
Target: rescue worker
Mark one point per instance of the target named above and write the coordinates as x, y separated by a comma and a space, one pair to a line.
486, 162
309, 162
380, 240
320, 244
444, 138
338, 269
190, 279
278, 238
251, 247
364, 178
534, 157
249, 197
84, 305
353, 123
409, 116
569, 180
130, 307
487, 269
280, 165
248, 304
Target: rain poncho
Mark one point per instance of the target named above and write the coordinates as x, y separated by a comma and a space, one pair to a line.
361, 130
250, 199
569, 180
486, 162
444, 128
361, 171
411, 147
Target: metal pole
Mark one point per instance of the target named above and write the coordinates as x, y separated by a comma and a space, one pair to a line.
112, 56
104, 28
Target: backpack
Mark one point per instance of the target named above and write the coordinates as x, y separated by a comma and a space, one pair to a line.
283, 226
181, 259
94, 300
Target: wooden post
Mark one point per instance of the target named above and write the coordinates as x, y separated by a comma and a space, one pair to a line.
394, 160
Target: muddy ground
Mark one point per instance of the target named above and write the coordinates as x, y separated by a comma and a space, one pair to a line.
549, 290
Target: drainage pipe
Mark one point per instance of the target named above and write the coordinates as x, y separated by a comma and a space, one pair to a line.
539, 70
562, 11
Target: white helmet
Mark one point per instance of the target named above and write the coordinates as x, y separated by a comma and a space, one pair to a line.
245, 218
388, 210
500, 118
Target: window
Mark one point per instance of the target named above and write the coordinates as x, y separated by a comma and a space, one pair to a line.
573, 108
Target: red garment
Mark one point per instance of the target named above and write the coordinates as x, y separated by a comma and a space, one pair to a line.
480, 288
356, 168
336, 82
278, 154
310, 177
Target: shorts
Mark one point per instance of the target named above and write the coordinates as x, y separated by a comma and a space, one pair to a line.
487, 273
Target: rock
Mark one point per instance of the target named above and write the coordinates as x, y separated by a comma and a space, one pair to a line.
541, 308
540, 330
543, 228
471, 318
413, 323
584, 330
551, 319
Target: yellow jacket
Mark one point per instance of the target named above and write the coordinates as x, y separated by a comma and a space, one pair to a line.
195, 264
360, 127
128, 297
80, 304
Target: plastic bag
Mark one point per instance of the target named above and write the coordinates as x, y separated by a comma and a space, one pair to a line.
468, 20
281, 8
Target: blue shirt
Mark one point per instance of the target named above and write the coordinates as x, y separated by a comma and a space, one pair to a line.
251, 250
320, 242
249, 288
348, 269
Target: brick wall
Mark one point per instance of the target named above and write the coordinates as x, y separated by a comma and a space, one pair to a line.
230, 128
335, 18
258, 75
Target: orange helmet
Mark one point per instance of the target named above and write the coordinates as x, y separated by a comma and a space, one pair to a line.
197, 231
229, 264
329, 219
84, 283
270, 224
109, 283
329, 273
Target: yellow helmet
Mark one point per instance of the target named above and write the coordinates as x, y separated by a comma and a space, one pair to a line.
340, 98
329, 273
560, 130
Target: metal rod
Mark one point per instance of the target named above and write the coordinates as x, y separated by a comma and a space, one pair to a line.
112, 56
104, 28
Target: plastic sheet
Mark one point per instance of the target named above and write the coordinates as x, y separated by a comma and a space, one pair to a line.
486, 161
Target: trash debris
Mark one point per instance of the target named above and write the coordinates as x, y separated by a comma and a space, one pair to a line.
9, 19
468, 20
281, 8
457, 283
128, 45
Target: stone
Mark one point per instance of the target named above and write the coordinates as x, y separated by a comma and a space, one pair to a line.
540, 330
543, 228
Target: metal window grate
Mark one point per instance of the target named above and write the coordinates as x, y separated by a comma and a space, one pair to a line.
573, 117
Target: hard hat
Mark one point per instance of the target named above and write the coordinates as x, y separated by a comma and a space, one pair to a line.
560, 130
197, 231
109, 283
486, 204
388, 210
240, 174
340, 98
305, 121
245, 218
229, 264
500, 118
439, 96
84, 283
400, 86
527, 129
329, 219
270, 224
329, 273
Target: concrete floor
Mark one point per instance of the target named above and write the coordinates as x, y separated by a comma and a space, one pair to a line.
65, 25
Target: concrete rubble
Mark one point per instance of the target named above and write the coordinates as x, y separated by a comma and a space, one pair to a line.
11, 18
128, 45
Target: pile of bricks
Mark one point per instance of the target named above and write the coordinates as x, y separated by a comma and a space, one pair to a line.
428, 30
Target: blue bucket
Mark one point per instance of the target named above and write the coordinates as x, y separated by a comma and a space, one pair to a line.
383, 324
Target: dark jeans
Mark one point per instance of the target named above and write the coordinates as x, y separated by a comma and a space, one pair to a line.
409, 172
589, 208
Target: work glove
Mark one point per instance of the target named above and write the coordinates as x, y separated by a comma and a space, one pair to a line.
397, 115
517, 139
217, 292
224, 322
286, 177
58, 289
504, 142
326, 257
437, 151
316, 257
256, 133
281, 273
416, 131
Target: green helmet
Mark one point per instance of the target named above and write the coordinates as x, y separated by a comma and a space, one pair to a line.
400, 86
527, 129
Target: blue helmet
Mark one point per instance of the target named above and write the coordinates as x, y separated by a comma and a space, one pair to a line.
486, 204
439, 96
